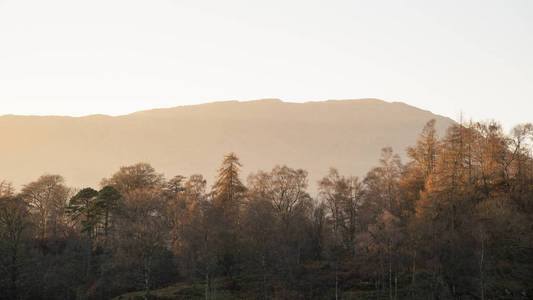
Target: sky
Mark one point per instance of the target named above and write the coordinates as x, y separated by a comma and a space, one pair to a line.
70, 57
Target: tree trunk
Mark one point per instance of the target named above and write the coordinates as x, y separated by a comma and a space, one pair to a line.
390, 269
14, 274
206, 285
147, 268
395, 286
413, 277
481, 271
377, 286
337, 279
89, 258
264, 277
106, 224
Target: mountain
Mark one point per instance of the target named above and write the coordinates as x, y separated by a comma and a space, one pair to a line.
346, 134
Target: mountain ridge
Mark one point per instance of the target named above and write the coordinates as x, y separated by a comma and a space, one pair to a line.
315, 135
256, 101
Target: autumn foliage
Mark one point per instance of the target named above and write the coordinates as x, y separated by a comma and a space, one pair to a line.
452, 222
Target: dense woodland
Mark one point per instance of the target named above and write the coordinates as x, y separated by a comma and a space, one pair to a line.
453, 222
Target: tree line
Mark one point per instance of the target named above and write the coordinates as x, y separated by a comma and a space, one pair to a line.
453, 222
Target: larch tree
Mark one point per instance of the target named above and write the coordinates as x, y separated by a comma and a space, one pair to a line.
228, 196
424, 156
228, 189
382, 185
425, 152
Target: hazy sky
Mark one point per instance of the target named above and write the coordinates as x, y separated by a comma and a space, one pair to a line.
114, 57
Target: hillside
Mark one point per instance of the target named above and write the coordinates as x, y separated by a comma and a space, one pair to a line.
347, 134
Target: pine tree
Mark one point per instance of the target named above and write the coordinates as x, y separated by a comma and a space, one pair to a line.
82, 205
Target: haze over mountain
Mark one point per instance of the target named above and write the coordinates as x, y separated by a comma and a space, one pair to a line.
346, 134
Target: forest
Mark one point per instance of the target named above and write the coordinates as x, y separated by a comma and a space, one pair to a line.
454, 221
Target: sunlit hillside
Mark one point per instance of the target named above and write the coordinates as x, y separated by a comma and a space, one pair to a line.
346, 134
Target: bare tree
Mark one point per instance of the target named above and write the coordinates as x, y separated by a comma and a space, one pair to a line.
15, 223
47, 198
138, 176
144, 231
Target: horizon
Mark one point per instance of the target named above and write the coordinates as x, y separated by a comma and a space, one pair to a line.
455, 119
117, 57
209, 102
458, 119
